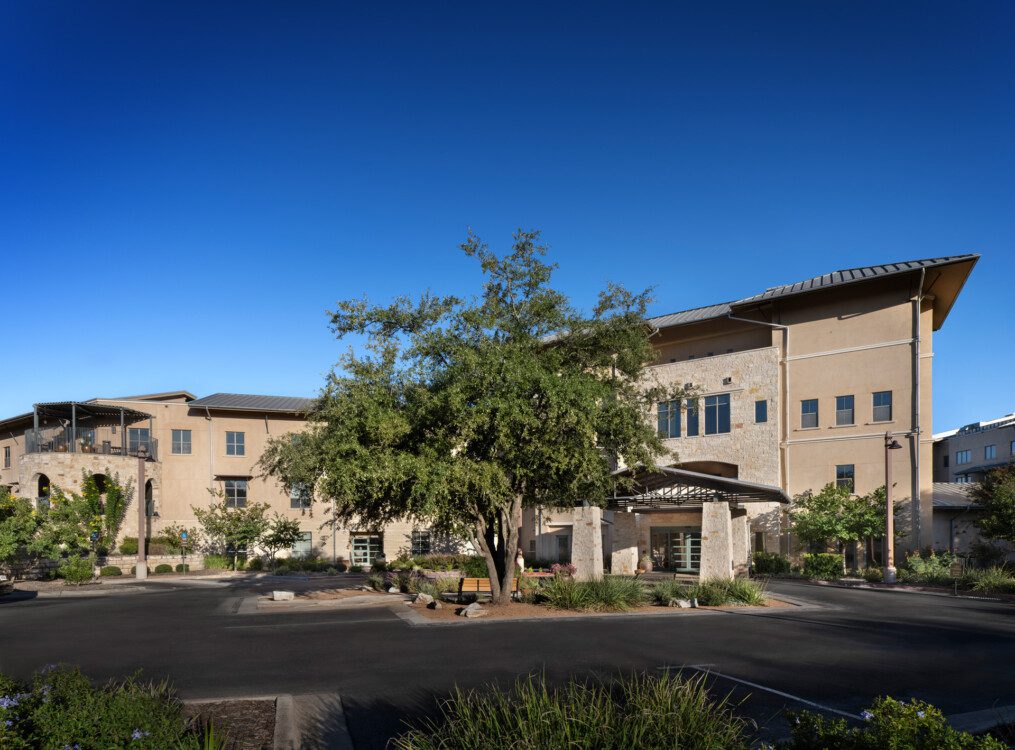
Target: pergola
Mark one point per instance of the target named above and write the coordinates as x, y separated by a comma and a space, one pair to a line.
71, 416
669, 488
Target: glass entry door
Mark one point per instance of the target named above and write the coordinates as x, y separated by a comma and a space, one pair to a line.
676, 548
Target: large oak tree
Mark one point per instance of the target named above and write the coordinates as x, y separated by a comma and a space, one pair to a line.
461, 412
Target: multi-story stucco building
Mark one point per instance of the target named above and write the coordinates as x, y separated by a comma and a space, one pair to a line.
965, 455
796, 388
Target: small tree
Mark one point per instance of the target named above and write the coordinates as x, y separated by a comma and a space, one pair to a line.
19, 528
283, 533
995, 497
172, 537
233, 529
820, 519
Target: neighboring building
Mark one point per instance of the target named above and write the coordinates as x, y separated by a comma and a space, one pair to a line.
965, 455
193, 445
956, 520
798, 386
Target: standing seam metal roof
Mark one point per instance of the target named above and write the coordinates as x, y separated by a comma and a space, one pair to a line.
247, 402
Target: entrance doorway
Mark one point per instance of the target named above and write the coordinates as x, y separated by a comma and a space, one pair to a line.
676, 548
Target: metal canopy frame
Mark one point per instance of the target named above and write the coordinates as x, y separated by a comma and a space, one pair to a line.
99, 414
670, 488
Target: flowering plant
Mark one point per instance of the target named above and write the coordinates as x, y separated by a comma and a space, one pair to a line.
563, 569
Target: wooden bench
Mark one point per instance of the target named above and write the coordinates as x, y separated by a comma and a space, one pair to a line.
480, 586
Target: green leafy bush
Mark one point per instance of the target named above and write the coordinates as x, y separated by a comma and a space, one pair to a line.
376, 581
928, 569
719, 592
873, 575
888, 724
255, 563
771, 564
182, 567
437, 563
610, 593
340, 565
824, 566
662, 592
435, 586
217, 562
76, 570
128, 546
378, 566
110, 570
473, 566
356, 569
60, 708
991, 581
163, 568
634, 712
987, 555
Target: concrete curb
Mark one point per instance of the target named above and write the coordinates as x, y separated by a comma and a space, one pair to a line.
885, 590
981, 721
287, 736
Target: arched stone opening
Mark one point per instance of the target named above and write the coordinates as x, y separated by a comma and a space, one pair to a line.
715, 468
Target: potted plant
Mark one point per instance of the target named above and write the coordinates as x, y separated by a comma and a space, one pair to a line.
645, 564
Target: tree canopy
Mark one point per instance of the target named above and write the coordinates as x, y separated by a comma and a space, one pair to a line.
995, 496
460, 412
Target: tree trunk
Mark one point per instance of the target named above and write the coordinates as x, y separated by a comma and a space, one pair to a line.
497, 538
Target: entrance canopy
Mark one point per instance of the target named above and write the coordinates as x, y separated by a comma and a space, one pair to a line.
668, 488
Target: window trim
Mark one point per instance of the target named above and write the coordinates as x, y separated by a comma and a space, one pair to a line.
840, 412
716, 406
189, 443
235, 482
816, 413
7, 457
763, 403
992, 449
301, 497
850, 479
693, 417
241, 444
875, 406
670, 411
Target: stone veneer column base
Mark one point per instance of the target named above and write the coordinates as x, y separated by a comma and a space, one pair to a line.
741, 533
716, 541
624, 555
587, 543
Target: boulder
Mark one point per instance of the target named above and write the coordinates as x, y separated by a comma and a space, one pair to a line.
423, 599
394, 590
435, 605
473, 610
681, 603
283, 596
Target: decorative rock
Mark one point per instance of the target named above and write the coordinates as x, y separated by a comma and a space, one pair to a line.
473, 610
423, 599
435, 605
394, 590
283, 596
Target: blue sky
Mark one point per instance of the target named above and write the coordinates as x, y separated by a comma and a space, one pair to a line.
186, 186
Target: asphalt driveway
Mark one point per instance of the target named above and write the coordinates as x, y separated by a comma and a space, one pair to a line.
839, 653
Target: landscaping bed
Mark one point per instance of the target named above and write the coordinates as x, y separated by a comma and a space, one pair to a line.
243, 724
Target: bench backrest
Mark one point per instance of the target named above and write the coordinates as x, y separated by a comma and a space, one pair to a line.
479, 585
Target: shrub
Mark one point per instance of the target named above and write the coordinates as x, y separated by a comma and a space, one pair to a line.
183, 567
825, 566
771, 564
563, 569
76, 570
719, 592
873, 575
375, 581
473, 566
110, 570
992, 581
216, 562
637, 711
59, 708
610, 593
255, 563
355, 568
435, 587
163, 568
930, 569
986, 555
889, 724
439, 563
128, 546
340, 566
378, 566
663, 591
402, 563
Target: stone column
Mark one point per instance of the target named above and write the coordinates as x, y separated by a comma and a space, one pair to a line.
587, 543
741, 533
716, 540
624, 555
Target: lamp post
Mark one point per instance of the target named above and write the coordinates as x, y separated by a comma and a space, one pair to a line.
891, 444
141, 571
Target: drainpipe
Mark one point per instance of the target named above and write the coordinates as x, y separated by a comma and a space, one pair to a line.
917, 434
73, 427
211, 452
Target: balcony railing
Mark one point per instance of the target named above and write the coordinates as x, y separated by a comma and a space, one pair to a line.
59, 441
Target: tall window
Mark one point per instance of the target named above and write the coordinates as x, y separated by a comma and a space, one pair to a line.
366, 547
181, 442
843, 410
7, 457
301, 496
692, 417
668, 419
304, 545
717, 414
235, 444
761, 411
1012, 448
963, 457
844, 476
989, 452
236, 493
420, 542
809, 413
138, 436
882, 406
944, 460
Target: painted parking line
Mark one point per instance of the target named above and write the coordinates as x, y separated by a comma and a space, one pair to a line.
314, 623
708, 669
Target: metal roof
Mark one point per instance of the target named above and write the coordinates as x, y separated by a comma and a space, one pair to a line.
669, 487
825, 281
951, 495
248, 402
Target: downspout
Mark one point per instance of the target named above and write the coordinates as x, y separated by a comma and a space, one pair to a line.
917, 397
211, 452
784, 443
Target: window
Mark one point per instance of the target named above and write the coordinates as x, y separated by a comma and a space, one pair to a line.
86, 436
138, 436
7, 457
759, 541
809, 413
234, 444
692, 417
882, 406
761, 411
420, 542
365, 548
301, 496
717, 414
944, 460
181, 442
563, 548
964, 479
304, 545
989, 452
532, 546
963, 457
668, 419
1013, 448
843, 410
236, 493
844, 476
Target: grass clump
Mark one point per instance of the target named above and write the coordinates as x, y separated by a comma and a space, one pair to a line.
992, 581
641, 711
609, 594
662, 592
718, 592
435, 587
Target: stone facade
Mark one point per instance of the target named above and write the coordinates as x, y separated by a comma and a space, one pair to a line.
587, 544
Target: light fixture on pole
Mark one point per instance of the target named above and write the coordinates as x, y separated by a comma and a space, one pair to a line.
141, 570
891, 444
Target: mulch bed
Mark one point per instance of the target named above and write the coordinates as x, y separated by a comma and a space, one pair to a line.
249, 725
514, 610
